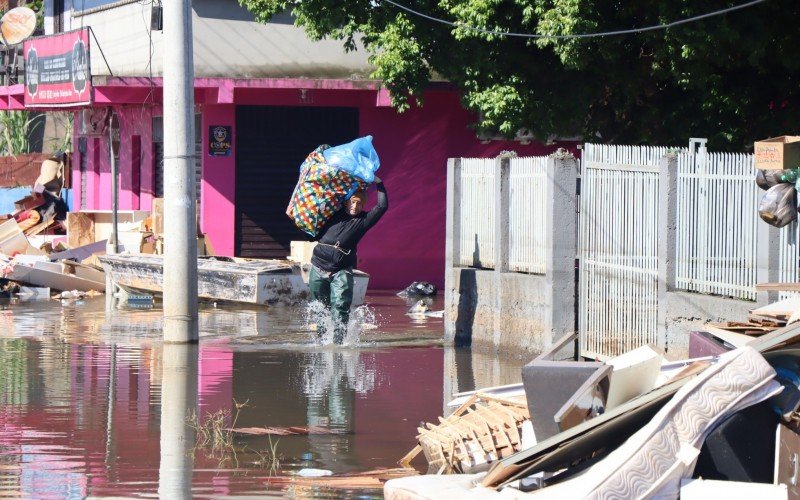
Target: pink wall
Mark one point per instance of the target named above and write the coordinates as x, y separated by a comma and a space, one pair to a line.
136, 182
407, 245
218, 188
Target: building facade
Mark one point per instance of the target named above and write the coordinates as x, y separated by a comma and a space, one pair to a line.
277, 95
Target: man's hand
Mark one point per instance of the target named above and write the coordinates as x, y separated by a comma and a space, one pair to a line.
377, 180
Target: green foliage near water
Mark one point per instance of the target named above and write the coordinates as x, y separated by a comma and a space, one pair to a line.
733, 78
16, 129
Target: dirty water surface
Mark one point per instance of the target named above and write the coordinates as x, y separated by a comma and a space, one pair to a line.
94, 405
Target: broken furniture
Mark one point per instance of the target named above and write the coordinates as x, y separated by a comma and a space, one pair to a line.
252, 281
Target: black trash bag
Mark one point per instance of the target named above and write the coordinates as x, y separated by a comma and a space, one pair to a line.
778, 206
419, 289
765, 179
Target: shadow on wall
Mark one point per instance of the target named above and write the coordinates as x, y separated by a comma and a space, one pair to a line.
476, 254
467, 302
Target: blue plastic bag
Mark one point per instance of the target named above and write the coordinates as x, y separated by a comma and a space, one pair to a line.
357, 158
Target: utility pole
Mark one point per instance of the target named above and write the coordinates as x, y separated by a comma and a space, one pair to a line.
180, 233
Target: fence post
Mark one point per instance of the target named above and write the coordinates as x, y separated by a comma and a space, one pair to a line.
452, 244
667, 237
562, 243
768, 257
501, 211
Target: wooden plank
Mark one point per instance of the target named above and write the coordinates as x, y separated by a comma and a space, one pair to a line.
157, 216
80, 229
778, 287
734, 339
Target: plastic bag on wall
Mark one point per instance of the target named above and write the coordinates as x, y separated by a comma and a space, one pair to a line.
778, 206
765, 179
358, 158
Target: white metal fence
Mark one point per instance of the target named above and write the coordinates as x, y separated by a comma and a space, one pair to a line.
526, 219
618, 248
717, 224
476, 225
789, 258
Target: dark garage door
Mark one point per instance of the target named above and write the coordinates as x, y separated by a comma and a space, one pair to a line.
271, 143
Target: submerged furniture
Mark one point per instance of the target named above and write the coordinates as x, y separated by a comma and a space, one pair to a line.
252, 281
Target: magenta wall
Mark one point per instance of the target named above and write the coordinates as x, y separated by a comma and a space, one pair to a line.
218, 188
407, 245
136, 179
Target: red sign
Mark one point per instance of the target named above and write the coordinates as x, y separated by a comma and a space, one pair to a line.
57, 70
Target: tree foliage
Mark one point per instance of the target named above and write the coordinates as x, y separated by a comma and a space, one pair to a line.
733, 78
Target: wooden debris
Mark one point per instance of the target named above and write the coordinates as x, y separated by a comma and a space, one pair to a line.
373, 479
483, 429
283, 431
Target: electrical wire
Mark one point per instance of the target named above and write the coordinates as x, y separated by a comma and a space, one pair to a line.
583, 35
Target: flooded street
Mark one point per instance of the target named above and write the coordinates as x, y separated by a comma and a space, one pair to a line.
82, 396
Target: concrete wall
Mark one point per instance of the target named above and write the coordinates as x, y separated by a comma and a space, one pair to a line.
227, 43
515, 314
686, 312
522, 315
522, 311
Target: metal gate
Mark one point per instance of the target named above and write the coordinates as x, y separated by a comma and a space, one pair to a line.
271, 142
618, 245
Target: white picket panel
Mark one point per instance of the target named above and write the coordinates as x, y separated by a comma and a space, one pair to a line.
618, 245
789, 257
717, 224
477, 207
527, 211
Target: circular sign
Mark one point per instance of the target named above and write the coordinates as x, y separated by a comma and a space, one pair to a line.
80, 66
32, 72
220, 134
17, 24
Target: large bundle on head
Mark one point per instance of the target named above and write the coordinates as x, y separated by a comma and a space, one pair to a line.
328, 177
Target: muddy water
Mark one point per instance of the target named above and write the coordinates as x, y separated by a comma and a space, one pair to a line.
94, 405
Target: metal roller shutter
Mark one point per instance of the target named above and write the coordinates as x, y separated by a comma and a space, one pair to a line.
271, 142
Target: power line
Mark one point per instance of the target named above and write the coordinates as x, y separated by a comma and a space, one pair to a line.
583, 35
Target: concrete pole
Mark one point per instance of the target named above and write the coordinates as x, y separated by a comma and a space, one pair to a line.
452, 245
112, 247
178, 403
502, 197
180, 234
561, 230
667, 239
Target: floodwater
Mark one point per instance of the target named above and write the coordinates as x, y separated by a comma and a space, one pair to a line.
93, 404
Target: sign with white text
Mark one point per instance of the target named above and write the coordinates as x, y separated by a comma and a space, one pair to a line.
57, 72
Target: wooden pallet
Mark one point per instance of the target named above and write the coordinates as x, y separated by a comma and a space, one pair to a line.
482, 430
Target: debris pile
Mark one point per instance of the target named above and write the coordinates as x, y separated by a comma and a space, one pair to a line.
634, 426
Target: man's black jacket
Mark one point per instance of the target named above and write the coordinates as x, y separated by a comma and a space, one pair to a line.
345, 231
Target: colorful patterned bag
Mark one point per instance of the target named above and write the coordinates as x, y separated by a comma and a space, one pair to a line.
320, 192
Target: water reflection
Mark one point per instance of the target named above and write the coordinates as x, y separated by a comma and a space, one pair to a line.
178, 403
96, 405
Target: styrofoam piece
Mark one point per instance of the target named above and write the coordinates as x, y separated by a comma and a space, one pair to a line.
703, 489
33, 293
13, 241
633, 373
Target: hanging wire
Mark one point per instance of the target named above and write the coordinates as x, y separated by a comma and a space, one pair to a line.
582, 35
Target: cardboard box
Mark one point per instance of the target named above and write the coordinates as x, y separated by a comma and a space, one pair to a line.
778, 153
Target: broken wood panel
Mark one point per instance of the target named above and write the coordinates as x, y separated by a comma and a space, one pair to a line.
80, 230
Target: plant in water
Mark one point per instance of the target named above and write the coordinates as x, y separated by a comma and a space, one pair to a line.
269, 459
215, 432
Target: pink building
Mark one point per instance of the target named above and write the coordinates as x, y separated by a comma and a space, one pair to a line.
278, 95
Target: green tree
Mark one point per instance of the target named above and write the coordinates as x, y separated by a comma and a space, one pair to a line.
733, 78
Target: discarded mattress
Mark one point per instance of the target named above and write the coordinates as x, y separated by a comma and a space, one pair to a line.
653, 461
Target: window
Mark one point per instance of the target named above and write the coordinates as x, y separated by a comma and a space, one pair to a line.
80, 7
